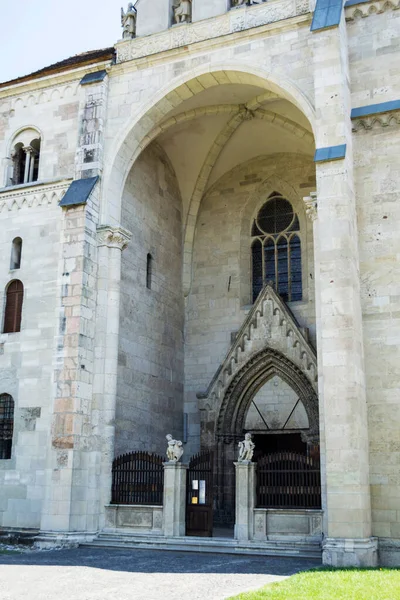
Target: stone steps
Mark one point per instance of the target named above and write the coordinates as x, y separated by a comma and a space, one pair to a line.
199, 544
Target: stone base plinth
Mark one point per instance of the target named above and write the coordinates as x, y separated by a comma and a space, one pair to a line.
174, 522
337, 552
47, 540
245, 500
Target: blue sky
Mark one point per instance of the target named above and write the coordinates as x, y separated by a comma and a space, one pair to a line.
37, 33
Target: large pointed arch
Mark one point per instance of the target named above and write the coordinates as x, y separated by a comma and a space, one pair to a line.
244, 386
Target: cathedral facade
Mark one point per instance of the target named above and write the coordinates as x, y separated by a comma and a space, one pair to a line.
198, 237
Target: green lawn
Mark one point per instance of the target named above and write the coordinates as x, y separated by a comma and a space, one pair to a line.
335, 584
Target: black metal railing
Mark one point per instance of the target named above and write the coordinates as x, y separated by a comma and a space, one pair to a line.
288, 480
138, 478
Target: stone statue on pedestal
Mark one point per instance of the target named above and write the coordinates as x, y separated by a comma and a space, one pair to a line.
174, 449
246, 449
128, 22
183, 11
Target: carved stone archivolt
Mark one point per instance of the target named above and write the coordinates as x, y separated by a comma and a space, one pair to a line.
113, 237
251, 378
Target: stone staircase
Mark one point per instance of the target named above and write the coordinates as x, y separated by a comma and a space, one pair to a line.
220, 545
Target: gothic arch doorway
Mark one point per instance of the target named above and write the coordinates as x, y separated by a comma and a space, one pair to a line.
276, 402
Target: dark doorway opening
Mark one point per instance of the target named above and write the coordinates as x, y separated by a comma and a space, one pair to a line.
268, 443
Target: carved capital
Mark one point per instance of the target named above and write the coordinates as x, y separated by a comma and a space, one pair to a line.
311, 203
113, 237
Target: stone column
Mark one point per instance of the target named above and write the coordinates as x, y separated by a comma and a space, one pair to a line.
29, 158
245, 500
111, 241
342, 397
174, 499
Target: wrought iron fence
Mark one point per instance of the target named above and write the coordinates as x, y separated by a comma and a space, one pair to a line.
288, 480
138, 478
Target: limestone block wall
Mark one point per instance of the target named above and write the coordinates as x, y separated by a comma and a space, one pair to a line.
373, 54
377, 153
220, 295
54, 111
26, 358
150, 376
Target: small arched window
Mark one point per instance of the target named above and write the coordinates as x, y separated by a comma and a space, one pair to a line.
13, 312
276, 249
149, 271
16, 254
6, 425
25, 159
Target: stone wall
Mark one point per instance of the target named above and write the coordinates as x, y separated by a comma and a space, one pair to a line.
150, 384
54, 112
377, 154
221, 291
26, 358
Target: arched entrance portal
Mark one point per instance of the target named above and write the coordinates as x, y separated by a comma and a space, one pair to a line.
275, 401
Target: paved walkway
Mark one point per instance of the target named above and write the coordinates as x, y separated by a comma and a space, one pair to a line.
113, 574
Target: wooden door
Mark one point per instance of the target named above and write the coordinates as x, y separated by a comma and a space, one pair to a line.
199, 509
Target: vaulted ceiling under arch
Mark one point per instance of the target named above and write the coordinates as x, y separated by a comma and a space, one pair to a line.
224, 126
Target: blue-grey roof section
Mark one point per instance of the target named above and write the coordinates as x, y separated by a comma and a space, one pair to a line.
327, 14
79, 191
330, 153
93, 77
375, 109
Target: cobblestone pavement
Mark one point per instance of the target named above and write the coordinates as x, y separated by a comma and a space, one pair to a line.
114, 574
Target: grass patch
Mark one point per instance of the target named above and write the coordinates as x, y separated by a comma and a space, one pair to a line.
333, 584
9, 552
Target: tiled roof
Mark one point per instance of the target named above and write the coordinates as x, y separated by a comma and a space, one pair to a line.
92, 56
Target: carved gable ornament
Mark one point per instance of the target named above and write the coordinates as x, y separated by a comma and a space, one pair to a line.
269, 325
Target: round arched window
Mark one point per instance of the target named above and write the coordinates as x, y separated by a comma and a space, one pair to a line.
276, 249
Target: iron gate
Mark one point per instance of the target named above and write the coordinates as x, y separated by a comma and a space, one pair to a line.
288, 480
138, 478
199, 510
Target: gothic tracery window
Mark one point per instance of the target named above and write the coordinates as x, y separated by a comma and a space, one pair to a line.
6, 425
276, 249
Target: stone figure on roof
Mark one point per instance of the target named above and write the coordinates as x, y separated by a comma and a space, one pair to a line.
183, 11
128, 22
246, 449
174, 449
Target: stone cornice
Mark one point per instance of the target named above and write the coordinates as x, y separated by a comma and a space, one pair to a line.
232, 22
33, 195
113, 237
365, 8
382, 114
379, 120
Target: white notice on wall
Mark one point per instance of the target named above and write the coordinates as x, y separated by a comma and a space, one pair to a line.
202, 492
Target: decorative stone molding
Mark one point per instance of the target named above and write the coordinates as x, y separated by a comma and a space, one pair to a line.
32, 195
231, 22
113, 237
355, 11
374, 121
311, 203
269, 340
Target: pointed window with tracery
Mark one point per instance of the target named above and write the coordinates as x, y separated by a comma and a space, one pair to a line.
276, 249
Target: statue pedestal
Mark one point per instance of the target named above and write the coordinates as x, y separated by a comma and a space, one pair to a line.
174, 499
245, 499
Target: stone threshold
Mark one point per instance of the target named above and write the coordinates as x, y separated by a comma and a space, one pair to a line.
290, 547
